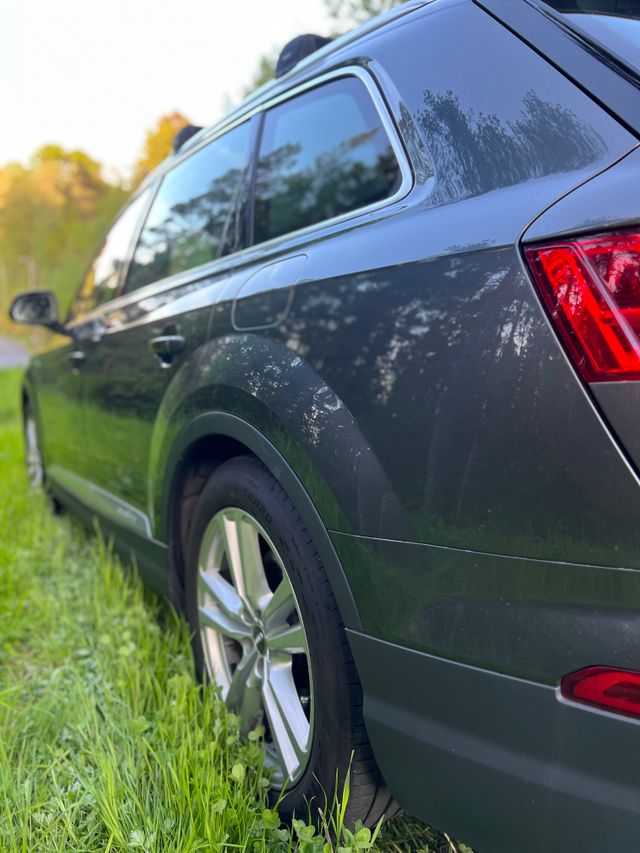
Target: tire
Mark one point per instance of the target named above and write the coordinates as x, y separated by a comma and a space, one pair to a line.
240, 502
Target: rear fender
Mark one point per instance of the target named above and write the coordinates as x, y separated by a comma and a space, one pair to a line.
255, 391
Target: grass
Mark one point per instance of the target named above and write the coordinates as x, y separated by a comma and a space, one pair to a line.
106, 741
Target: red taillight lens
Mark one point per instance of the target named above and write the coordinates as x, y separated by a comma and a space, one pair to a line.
591, 288
616, 690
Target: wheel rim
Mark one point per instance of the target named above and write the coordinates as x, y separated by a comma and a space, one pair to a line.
254, 641
35, 470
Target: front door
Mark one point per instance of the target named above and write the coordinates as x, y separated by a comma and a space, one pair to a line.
59, 408
127, 373
60, 373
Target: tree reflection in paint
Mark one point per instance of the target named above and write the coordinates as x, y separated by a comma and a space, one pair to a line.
478, 152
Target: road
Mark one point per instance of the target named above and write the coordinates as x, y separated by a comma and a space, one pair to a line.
12, 354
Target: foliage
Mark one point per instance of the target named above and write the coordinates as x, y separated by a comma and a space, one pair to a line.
357, 11
106, 740
55, 210
52, 214
264, 72
158, 145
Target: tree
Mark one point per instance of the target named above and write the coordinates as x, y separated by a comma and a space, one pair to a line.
158, 145
52, 214
346, 14
358, 11
55, 209
264, 72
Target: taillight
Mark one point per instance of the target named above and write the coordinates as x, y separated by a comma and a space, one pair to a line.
591, 288
616, 690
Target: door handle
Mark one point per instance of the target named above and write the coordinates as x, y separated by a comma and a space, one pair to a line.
167, 344
77, 358
166, 347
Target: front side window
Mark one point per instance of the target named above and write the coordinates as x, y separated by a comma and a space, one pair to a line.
193, 213
100, 283
322, 154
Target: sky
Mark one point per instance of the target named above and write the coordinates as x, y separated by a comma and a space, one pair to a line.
97, 74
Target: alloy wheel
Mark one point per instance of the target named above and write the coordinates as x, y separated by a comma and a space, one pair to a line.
254, 641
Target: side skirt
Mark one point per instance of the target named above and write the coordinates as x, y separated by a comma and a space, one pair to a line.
126, 527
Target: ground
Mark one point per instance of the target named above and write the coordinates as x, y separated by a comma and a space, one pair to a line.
106, 741
12, 354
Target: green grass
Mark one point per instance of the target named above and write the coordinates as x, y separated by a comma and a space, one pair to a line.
106, 741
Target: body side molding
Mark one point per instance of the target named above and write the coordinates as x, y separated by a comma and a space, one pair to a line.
101, 502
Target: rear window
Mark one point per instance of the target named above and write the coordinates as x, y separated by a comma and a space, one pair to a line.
323, 153
613, 24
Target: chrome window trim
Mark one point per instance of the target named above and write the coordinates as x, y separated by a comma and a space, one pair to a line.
235, 258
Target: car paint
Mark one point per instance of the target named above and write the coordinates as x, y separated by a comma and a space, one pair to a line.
499, 760
598, 72
472, 500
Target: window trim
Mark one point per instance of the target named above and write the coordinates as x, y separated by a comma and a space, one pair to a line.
253, 177
231, 260
381, 110
154, 188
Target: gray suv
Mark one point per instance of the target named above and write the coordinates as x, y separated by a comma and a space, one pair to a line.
355, 377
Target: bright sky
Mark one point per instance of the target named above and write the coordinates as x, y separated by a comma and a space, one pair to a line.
96, 74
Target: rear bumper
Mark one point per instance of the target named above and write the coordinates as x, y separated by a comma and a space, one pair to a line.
498, 761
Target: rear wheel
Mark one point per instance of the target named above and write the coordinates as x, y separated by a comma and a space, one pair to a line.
267, 629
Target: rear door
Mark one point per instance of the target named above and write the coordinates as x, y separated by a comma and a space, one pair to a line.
325, 164
151, 335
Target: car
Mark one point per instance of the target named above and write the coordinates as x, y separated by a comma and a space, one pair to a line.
355, 378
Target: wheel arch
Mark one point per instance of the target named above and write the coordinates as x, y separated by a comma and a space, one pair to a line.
211, 439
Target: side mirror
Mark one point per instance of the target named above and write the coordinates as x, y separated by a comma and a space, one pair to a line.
36, 308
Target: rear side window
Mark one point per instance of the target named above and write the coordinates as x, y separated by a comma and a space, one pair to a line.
193, 216
322, 154
613, 24
101, 281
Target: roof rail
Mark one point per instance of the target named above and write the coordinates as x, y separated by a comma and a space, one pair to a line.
296, 50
